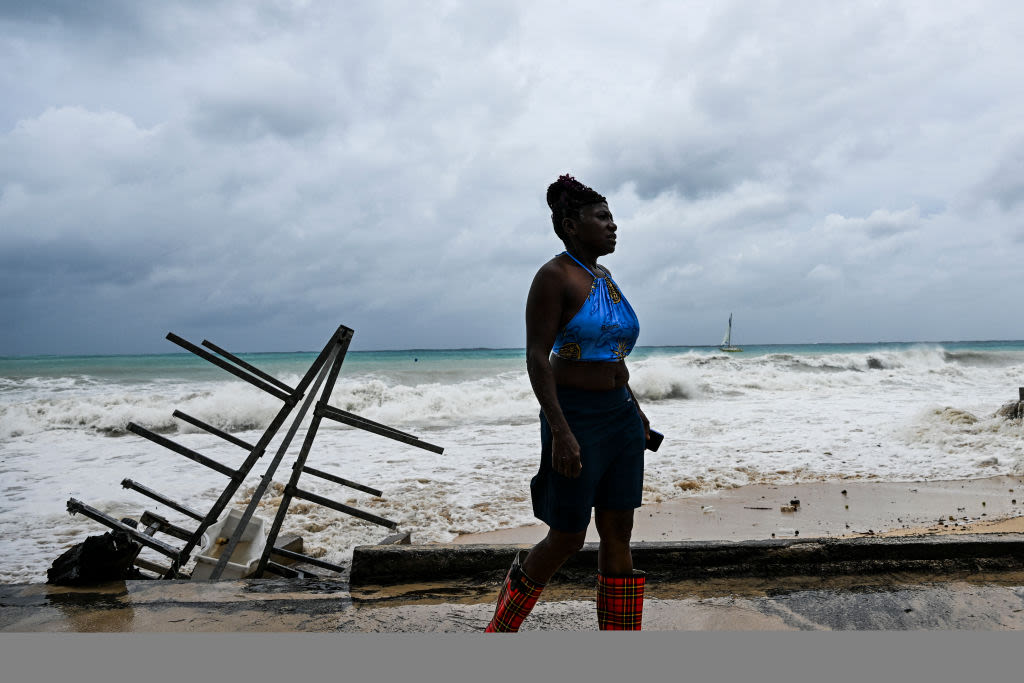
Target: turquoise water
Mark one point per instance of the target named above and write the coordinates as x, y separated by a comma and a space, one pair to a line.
144, 368
836, 348
433, 364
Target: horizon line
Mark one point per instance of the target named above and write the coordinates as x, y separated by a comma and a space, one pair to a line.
517, 348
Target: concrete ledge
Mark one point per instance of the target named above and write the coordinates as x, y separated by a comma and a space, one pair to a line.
391, 564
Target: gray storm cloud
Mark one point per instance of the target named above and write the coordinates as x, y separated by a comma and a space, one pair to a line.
257, 173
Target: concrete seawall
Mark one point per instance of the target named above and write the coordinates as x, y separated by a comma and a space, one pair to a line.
666, 561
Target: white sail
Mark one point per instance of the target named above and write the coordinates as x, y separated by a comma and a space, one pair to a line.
726, 344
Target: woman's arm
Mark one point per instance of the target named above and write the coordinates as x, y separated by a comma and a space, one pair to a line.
544, 306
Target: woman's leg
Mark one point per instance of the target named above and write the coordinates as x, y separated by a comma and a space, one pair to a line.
620, 589
526, 579
551, 553
615, 528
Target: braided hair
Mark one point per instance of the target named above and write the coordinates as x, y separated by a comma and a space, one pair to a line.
566, 196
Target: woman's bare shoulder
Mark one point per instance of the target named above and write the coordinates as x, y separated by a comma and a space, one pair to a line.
554, 269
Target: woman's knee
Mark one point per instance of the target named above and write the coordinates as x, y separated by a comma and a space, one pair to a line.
566, 543
614, 525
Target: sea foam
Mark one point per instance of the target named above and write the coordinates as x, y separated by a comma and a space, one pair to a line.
798, 414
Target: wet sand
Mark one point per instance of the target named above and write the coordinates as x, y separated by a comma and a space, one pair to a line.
826, 509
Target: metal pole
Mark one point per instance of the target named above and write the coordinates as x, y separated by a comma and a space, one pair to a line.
183, 450
341, 507
340, 480
257, 452
212, 430
362, 423
75, 506
309, 560
188, 512
251, 368
300, 461
221, 363
268, 476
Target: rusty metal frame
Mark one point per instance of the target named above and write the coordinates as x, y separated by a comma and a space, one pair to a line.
323, 371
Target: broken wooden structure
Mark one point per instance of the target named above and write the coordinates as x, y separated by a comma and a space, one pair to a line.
318, 381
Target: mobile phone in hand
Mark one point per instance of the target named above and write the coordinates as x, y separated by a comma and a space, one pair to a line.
654, 442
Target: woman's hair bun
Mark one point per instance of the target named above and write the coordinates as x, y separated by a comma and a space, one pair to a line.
568, 192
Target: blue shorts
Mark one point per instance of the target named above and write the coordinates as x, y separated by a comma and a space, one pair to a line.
608, 428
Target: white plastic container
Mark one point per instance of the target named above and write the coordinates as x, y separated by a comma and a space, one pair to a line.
247, 553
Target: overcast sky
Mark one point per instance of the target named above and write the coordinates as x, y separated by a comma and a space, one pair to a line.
258, 172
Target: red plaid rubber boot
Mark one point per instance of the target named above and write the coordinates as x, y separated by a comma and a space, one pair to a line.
518, 595
620, 601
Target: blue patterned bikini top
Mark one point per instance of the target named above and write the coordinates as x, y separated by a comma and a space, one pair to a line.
604, 329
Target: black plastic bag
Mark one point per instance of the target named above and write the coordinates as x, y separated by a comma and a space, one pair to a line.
97, 559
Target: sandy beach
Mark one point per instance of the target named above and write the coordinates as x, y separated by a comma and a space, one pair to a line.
826, 509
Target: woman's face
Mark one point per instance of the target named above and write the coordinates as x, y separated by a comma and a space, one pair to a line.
595, 229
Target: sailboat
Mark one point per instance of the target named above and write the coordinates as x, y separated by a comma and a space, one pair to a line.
727, 341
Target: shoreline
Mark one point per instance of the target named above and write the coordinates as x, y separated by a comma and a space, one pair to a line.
754, 512
867, 508
918, 583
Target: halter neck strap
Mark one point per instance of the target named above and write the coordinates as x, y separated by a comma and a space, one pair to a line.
580, 264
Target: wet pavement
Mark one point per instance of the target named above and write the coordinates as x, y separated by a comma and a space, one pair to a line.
744, 567
956, 582
987, 601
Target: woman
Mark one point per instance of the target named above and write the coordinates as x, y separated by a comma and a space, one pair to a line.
579, 329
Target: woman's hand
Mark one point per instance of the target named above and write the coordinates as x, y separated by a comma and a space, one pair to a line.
565, 455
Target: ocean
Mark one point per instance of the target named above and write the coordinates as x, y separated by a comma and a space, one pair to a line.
771, 414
